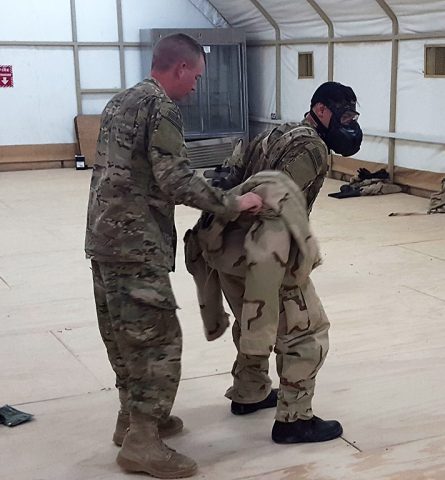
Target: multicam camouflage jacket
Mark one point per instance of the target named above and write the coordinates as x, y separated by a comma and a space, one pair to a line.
273, 253
294, 148
140, 173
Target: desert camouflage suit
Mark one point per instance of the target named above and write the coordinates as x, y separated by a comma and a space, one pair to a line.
262, 265
374, 186
437, 201
140, 173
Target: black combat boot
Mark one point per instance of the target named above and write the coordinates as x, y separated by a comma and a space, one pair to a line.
302, 431
246, 408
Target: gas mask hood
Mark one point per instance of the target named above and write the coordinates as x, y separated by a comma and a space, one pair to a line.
343, 139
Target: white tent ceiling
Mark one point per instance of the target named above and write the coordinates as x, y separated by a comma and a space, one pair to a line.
299, 18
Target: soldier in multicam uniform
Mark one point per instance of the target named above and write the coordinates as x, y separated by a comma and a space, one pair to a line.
141, 172
300, 150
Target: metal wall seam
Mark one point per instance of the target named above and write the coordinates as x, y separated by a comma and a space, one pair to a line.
330, 26
76, 56
277, 45
324, 16
26, 43
350, 39
99, 91
393, 88
211, 19
120, 34
370, 133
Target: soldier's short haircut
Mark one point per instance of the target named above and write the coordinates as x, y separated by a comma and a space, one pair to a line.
334, 93
176, 48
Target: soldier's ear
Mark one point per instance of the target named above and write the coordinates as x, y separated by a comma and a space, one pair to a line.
322, 111
318, 109
179, 70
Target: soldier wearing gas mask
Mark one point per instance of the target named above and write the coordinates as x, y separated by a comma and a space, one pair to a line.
300, 150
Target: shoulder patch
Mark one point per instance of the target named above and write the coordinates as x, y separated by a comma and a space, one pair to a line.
168, 136
175, 119
172, 113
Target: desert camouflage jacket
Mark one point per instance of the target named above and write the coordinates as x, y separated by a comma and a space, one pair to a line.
273, 253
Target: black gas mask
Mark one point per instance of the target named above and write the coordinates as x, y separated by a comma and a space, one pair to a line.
343, 135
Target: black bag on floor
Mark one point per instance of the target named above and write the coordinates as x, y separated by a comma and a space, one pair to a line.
11, 417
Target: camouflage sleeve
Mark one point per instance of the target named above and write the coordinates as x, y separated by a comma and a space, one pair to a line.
307, 167
239, 169
171, 168
237, 164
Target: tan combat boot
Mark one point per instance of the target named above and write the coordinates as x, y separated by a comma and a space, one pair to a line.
170, 427
144, 451
123, 419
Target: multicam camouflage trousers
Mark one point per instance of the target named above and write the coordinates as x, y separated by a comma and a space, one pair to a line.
301, 346
136, 311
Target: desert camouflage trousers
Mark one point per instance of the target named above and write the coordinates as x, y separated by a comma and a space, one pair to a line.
301, 347
136, 312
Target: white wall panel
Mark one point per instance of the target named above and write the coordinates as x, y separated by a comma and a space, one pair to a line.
139, 14
419, 156
96, 21
296, 93
133, 67
35, 20
420, 100
93, 104
366, 67
373, 149
41, 106
99, 68
261, 81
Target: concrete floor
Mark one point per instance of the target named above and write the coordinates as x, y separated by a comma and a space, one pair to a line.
382, 285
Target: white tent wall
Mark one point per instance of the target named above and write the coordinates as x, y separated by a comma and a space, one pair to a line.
420, 109
261, 81
133, 66
99, 68
373, 42
366, 67
36, 20
41, 106
96, 21
297, 92
275, 31
137, 14
48, 92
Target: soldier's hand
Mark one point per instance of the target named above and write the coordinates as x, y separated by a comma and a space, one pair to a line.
250, 202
